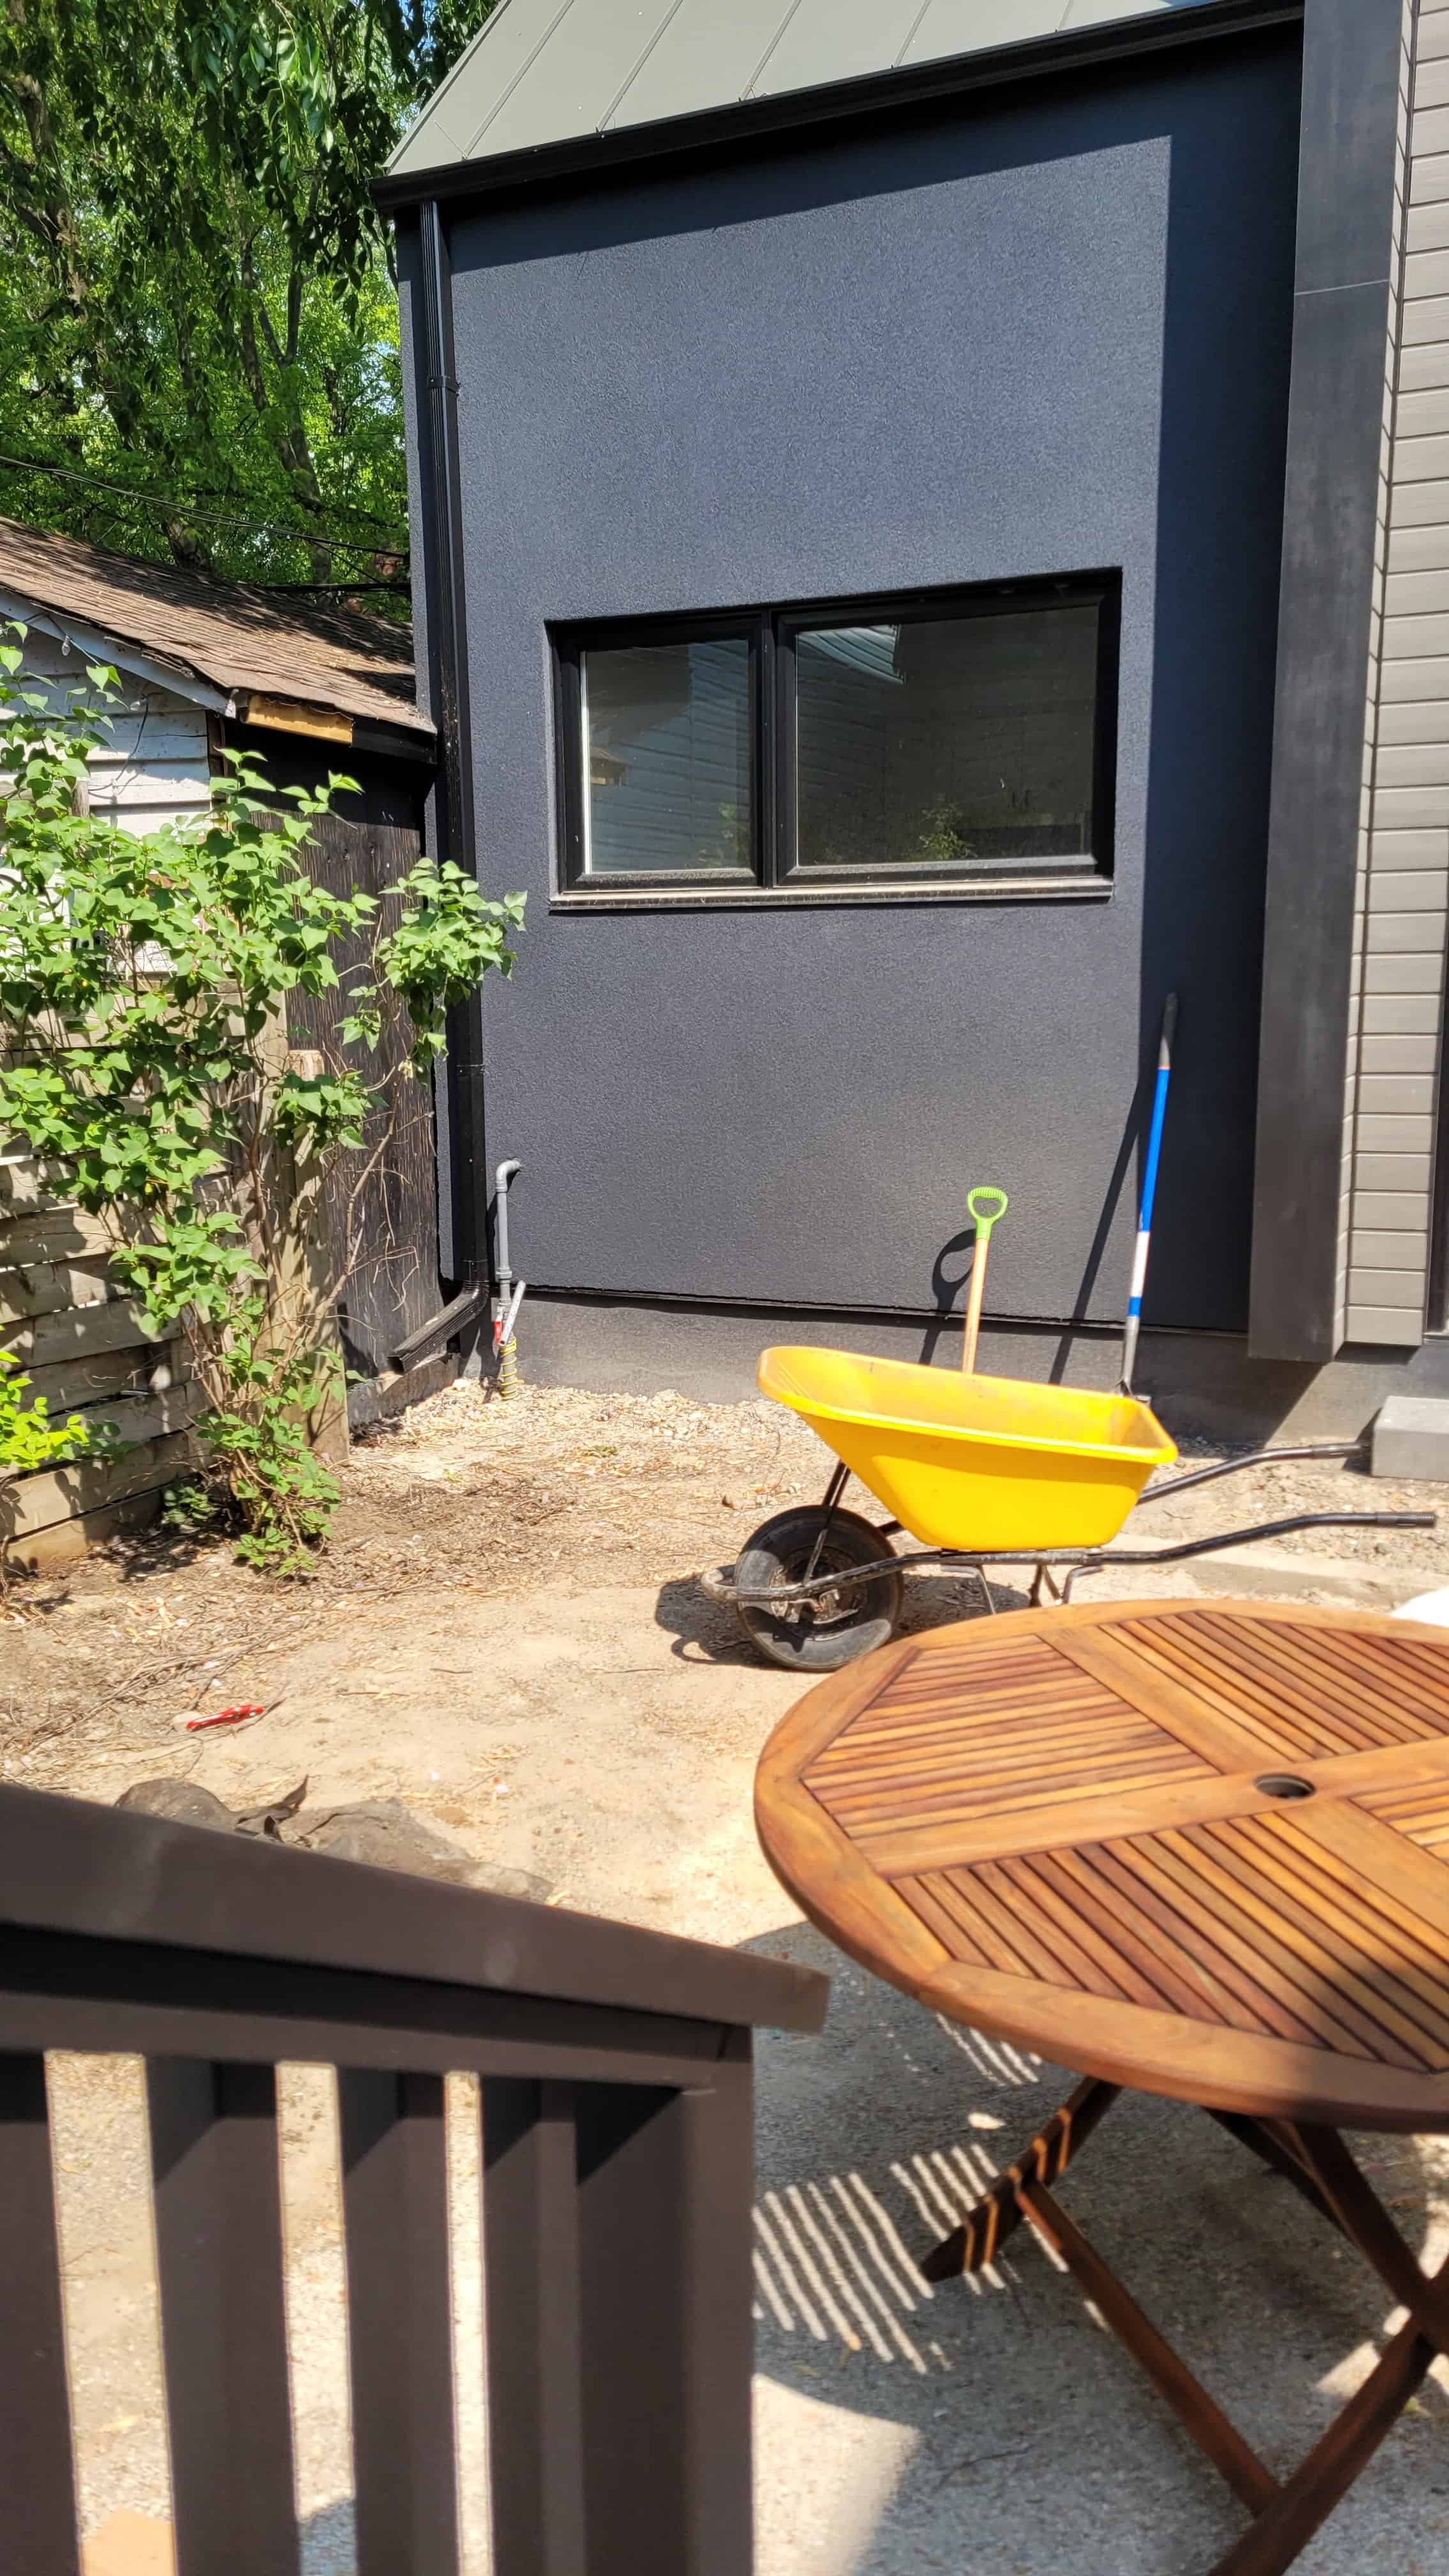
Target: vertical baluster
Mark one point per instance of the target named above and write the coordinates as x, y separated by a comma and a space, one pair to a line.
531, 2286
666, 2305
37, 2485
219, 2264
395, 2203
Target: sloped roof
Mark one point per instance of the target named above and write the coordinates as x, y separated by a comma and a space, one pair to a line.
553, 71
244, 642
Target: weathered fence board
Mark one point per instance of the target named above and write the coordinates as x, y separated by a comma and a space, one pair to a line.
50, 1288
70, 1384
37, 1504
85, 1351
51, 1234
393, 1286
66, 1332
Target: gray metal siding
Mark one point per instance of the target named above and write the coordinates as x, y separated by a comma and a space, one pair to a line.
1033, 340
1404, 869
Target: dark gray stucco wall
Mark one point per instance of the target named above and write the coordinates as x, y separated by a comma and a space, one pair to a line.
1048, 337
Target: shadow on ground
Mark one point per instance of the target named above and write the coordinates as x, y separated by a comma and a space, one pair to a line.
706, 1631
972, 2426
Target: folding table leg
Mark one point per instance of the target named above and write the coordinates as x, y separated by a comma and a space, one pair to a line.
999, 2213
1318, 2165
1231, 2456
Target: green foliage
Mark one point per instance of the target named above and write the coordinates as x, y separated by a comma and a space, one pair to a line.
189, 1508
195, 297
280, 1496
144, 984
431, 959
29, 1439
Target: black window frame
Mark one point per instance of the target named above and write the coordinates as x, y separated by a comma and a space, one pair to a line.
776, 874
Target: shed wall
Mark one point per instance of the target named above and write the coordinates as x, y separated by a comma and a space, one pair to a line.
154, 765
1041, 339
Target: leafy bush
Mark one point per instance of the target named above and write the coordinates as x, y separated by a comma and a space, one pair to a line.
29, 1440
144, 982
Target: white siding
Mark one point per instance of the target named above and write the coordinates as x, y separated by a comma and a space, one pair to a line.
1403, 891
154, 766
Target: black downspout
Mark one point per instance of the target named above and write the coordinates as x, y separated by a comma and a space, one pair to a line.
448, 658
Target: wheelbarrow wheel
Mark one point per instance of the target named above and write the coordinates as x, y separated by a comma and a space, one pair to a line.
817, 1636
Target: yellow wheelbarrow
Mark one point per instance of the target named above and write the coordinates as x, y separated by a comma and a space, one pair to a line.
980, 1472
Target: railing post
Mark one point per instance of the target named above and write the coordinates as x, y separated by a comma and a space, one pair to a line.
531, 2293
395, 2207
665, 2187
37, 2490
218, 2202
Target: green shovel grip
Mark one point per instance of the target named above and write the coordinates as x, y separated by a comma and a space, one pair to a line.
984, 1205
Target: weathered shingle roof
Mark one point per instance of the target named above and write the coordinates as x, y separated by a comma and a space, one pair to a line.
552, 71
244, 642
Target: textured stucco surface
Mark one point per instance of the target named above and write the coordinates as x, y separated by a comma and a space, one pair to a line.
1043, 340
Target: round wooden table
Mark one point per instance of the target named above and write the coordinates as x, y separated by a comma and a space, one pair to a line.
1194, 1850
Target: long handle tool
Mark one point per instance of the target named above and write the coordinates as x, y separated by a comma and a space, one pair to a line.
1133, 1325
984, 1206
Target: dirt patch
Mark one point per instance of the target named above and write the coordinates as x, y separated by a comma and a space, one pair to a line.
467, 1501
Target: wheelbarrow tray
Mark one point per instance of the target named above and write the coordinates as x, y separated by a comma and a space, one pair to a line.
977, 1463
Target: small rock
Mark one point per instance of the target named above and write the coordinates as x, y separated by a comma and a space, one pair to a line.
381, 1832
384, 1833
498, 1881
182, 1802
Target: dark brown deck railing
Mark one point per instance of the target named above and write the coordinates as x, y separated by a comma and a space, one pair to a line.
617, 2167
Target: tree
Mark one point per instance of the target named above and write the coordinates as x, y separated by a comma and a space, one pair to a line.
144, 981
196, 304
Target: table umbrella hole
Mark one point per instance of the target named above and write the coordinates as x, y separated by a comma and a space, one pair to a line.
1284, 1784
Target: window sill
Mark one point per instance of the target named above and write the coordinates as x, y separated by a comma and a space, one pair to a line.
1037, 888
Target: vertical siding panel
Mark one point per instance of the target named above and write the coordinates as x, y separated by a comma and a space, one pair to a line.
1404, 853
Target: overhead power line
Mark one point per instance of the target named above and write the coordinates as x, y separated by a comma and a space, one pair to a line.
195, 510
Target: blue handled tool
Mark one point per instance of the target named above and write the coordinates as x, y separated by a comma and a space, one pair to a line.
1133, 1324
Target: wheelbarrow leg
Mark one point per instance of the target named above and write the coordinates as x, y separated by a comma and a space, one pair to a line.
830, 1507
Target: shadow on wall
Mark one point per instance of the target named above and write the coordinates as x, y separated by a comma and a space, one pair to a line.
906, 2427
1215, 632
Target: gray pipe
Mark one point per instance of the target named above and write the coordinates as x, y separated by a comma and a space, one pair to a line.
501, 1178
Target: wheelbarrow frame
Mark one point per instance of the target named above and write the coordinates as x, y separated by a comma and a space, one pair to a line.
1077, 1561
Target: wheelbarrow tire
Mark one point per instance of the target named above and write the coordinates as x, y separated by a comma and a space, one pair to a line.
800, 1640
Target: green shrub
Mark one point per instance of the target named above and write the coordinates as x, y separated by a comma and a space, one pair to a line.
144, 983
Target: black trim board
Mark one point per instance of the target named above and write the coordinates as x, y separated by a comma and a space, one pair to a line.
447, 633
874, 95
1342, 304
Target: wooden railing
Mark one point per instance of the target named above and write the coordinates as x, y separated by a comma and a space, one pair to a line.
615, 2070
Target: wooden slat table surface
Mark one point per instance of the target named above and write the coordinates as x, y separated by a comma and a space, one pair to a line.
1068, 1827
1199, 1850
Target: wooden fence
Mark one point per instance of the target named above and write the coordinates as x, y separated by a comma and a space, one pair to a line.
617, 2166
83, 1344
382, 1224
86, 1351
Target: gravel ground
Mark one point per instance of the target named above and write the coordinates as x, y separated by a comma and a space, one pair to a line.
506, 1633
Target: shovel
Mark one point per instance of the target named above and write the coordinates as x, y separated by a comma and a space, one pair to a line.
984, 1206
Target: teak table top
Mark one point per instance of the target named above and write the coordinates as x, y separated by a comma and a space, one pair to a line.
1056, 1826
